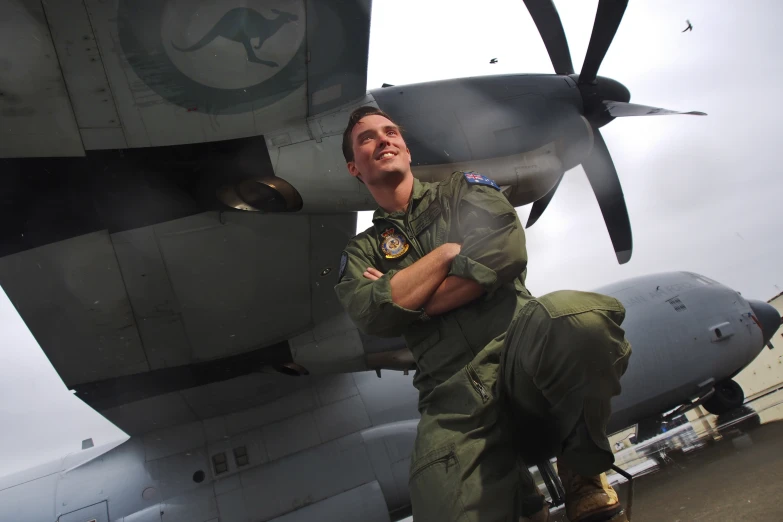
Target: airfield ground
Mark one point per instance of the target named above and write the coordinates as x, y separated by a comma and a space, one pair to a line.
724, 472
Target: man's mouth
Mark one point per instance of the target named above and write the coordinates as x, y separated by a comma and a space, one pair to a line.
386, 155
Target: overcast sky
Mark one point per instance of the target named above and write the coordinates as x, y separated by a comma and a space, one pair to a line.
702, 192
42, 420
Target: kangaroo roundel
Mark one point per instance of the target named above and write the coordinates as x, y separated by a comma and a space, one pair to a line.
216, 57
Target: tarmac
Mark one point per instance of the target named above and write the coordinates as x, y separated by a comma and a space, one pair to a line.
727, 468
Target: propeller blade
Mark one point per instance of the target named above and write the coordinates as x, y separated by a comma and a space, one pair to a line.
622, 109
607, 20
606, 186
539, 206
550, 28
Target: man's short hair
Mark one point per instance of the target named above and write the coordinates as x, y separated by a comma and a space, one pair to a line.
353, 119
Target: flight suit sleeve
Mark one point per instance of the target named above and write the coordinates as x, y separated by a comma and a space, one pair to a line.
369, 303
487, 226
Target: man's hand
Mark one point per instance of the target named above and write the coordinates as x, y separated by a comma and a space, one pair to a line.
372, 274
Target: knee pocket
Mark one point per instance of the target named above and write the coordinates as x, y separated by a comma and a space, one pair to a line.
572, 302
593, 316
434, 485
590, 320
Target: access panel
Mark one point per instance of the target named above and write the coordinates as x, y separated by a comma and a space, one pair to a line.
95, 513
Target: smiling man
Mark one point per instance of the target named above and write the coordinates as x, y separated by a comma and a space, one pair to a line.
503, 377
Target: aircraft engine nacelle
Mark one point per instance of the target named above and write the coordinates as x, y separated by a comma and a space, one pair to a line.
524, 178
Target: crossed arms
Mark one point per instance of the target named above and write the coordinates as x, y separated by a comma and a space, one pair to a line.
487, 249
426, 283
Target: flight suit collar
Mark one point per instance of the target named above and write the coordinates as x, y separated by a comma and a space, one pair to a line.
419, 191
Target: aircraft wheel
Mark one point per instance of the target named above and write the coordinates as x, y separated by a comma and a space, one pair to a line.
728, 396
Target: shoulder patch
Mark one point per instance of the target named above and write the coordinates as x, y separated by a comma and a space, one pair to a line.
474, 178
343, 264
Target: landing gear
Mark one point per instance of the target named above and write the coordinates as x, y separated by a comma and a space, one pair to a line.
728, 396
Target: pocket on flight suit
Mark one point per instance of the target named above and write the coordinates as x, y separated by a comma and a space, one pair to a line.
435, 485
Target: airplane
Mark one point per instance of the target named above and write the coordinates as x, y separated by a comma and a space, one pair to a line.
173, 210
268, 447
493, 60
141, 74
689, 28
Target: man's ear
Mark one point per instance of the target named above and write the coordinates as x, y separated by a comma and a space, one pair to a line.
353, 169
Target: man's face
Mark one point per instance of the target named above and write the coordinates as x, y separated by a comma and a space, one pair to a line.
379, 152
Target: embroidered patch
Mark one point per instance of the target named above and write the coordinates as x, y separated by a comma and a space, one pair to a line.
343, 264
474, 178
393, 244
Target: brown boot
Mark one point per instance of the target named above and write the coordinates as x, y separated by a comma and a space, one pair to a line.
589, 499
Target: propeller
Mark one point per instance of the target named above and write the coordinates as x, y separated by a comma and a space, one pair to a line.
602, 176
620, 109
539, 206
607, 20
603, 99
550, 27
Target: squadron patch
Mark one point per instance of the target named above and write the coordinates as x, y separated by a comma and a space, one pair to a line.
393, 244
343, 264
474, 178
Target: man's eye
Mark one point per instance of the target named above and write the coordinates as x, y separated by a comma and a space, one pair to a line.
392, 133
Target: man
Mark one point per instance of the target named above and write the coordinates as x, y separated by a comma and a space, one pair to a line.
502, 377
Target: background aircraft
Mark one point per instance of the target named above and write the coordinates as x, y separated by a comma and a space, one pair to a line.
329, 448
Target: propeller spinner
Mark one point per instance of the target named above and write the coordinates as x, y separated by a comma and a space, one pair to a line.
603, 100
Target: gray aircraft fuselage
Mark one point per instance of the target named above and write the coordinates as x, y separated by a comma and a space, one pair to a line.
687, 332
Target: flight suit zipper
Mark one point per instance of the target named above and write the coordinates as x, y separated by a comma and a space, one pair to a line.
412, 239
476, 383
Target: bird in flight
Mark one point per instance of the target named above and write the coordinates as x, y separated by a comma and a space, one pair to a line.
689, 28
493, 60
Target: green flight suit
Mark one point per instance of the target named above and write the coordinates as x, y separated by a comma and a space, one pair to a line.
497, 375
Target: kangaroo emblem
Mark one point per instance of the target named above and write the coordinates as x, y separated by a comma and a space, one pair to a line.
241, 25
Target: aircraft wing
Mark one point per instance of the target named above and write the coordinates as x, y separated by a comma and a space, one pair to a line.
78, 75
